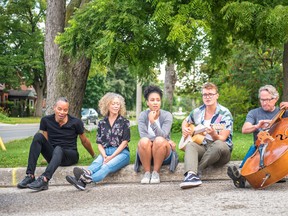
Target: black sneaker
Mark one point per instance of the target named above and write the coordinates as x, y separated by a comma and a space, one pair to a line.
190, 180
27, 180
281, 181
39, 184
83, 174
78, 184
238, 180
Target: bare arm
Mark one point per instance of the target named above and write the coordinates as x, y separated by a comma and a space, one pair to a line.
87, 144
223, 135
250, 128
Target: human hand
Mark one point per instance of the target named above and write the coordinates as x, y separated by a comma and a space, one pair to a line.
186, 131
151, 116
172, 144
263, 124
107, 159
210, 130
284, 105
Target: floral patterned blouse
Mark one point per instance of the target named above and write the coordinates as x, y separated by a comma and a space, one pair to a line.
115, 135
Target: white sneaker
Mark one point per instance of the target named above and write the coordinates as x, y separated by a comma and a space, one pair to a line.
146, 178
155, 178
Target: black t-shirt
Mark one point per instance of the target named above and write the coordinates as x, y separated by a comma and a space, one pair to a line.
65, 136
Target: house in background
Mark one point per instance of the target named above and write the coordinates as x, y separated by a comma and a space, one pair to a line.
3, 96
23, 100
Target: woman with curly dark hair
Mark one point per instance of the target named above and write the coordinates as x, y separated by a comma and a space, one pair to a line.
155, 146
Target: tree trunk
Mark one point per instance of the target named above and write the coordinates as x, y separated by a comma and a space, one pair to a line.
138, 100
65, 77
285, 73
55, 20
39, 87
169, 85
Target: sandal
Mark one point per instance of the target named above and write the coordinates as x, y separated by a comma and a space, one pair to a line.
238, 180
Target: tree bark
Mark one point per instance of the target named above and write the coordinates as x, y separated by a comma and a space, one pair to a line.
138, 100
39, 86
169, 85
55, 20
66, 77
285, 73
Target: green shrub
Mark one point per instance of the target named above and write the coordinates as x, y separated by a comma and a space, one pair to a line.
236, 99
176, 126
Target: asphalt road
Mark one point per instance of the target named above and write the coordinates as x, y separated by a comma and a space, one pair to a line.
9, 132
211, 198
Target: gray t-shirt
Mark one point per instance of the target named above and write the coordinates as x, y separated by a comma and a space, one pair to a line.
255, 115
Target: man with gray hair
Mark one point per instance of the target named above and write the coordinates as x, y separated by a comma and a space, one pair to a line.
57, 142
256, 120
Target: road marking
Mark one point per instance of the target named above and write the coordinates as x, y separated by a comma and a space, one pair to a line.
14, 171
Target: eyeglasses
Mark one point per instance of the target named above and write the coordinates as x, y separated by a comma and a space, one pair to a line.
210, 95
266, 100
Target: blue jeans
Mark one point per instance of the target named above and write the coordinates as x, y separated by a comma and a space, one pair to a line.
250, 152
99, 170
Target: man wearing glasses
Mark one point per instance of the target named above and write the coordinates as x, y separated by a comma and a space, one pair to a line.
257, 120
217, 144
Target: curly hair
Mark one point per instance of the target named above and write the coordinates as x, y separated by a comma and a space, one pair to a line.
152, 89
106, 100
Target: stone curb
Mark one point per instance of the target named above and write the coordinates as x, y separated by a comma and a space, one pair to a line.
9, 177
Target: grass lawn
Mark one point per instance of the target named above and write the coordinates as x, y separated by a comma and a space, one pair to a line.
22, 120
17, 151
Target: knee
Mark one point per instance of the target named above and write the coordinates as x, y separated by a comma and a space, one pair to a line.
39, 137
58, 151
190, 145
160, 142
144, 143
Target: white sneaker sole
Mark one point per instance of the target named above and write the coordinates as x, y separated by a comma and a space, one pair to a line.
185, 185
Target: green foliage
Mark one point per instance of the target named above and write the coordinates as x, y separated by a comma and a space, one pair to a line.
249, 67
176, 126
21, 45
95, 89
3, 115
236, 99
118, 80
258, 21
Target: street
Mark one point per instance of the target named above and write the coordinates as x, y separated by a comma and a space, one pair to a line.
9, 132
211, 198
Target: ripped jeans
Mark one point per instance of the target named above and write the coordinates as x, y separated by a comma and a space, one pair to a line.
99, 170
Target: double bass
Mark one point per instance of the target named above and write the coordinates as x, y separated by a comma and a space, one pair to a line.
269, 163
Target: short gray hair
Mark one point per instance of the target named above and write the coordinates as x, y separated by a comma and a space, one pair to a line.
270, 89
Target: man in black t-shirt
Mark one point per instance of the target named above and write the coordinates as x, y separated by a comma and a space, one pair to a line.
57, 142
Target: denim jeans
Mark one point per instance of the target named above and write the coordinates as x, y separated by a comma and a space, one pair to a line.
99, 170
250, 152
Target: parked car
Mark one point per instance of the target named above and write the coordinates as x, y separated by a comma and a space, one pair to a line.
89, 115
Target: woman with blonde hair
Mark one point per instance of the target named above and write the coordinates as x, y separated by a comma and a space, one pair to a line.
113, 135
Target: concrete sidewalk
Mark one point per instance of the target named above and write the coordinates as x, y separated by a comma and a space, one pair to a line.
9, 177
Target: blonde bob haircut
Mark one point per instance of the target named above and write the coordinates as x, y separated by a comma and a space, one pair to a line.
107, 99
